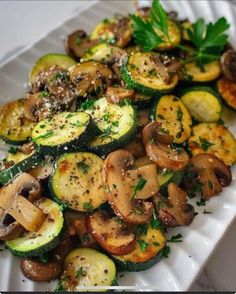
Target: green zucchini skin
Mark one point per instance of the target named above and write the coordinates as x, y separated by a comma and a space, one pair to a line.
47, 246
129, 266
176, 178
30, 162
74, 145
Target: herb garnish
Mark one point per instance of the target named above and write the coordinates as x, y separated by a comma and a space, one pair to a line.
139, 186
143, 245
80, 273
44, 136
13, 150
87, 104
83, 166
205, 145
141, 229
166, 251
202, 202
88, 206
175, 239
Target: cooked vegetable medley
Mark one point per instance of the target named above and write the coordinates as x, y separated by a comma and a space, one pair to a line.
111, 142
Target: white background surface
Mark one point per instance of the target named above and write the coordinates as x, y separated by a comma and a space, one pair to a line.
24, 22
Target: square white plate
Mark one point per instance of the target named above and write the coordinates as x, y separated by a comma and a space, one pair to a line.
199, 239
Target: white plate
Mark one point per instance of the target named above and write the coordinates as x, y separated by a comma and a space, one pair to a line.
188, 258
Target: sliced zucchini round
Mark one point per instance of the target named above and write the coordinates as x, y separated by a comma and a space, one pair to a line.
212, 71
184, 26
173, 116
115, 30
147, 252
202, 103
227, 90
117, 123
76, 181
46, 238
141, 74
174, 35
64, 61
22, 162
87, 267
15, 128
65, 131
215, 139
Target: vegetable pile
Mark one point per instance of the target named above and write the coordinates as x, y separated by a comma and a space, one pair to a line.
110, 143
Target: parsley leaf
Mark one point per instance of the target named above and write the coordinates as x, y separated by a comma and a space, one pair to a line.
166, 251
139, 186
143, 245
175, 239
87, 104
44, 136
141, 229
202, 202
88, 206
205, 145
13, 150
80, 273
83, 166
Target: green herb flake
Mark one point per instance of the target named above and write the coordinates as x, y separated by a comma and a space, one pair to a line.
44, 136
202, 202
42, 126
83, 166
175, 239
69, 115
205, 145
139, 186
143, 245
87, 104
157, 225
179, 114
166, 252
13, 150
141, 229
80, 273
88, 206
45, 94
155, 243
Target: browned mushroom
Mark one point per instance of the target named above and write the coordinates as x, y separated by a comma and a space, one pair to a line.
42, 172
78, 43
39, 271
27, 148
11, 231
211, 172
120, 193
174, 210
115, 238
228, 64
143, 118
91, 77
158, 148
118, 94
136, 147
21, 209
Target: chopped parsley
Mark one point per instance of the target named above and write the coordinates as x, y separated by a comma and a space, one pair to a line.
87, 104
80, 273
83, 166
155, 243
13, 150
69, 115
139, 186
205, 145
202, 202
179, 114
143, 245
44, 136
166, 251
175, 239
45, 94
88, 206
141, 229
106, 117
157, 225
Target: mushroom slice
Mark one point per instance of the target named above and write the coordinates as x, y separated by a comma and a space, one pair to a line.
118, 94
120, 195
212, 173
91, 77
136, 147
78, 43
174, 210
22, 210
39, 271
115, 238
228, 64
159, 149
143, 118
11, 231
145, 176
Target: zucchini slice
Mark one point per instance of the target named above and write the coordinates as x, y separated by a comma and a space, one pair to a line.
87, 267
174, 34
117, 123
227, 90
212, 71
77, 181
202, 103
141, 73
64, 131
46, 238
173, 116
166, 177
46, 61
115, 30
15, 128
214, 139
147, 252
22, 162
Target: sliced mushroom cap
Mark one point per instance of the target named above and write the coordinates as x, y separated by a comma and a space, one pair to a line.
39, 271
228, 64
91, 77
120, 195
11, 231
143, 118
115, 238
27, 148
136, 147
78, 43
33, 107
211, 172
174, 210
158, 148
118, 94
